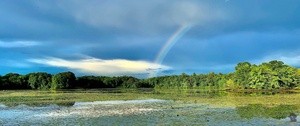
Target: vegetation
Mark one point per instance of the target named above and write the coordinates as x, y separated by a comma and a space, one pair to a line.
214, 98
63, 80
107, 82
14, 81
39, 80
272, 75
260, 110
227, 109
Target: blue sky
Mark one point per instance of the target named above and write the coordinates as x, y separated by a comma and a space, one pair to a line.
124, 37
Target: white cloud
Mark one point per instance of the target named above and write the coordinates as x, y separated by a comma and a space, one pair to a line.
16, 44
102, 67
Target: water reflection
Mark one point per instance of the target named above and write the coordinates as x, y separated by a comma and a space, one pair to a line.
66, 104
221, 93
268, 92
39, 104
276, 112
191, 92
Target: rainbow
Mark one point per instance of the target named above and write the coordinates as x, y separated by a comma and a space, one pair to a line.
169, 44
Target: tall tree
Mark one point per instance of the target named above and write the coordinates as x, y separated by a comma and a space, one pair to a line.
63, 80
40, 80
242, 74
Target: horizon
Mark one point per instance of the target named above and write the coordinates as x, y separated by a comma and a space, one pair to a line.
146, 38
142, 76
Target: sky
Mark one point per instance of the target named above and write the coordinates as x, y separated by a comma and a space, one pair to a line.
146, 38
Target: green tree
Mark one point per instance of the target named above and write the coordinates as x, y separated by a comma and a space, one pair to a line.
14, 81
128, 82
63, 80
90, 82
273, 75
40, 80
242, 74
261, 77
288, 77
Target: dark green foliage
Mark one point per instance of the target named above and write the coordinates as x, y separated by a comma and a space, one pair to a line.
207, 81
128, 82
108, 82
39, 80
90, 82
63, 80
14, 81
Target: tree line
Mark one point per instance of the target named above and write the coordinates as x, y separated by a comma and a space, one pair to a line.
64, 80
271, 75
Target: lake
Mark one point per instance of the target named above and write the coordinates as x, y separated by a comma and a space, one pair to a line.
148, 107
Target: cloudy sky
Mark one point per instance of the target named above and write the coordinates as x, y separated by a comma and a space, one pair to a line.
141, 38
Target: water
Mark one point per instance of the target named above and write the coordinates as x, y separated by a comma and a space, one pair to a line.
146, 112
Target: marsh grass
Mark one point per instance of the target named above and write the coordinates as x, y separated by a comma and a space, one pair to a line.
259, 110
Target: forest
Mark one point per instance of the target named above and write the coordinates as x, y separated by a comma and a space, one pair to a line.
272, 75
